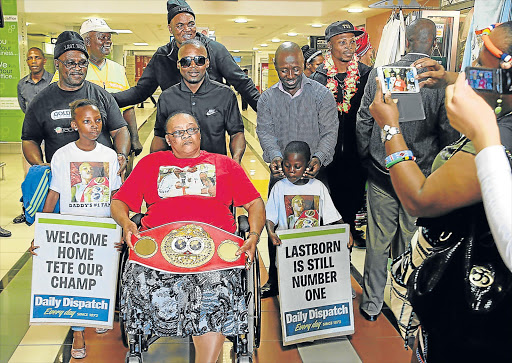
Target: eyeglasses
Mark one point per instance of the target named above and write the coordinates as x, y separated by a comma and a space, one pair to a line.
351, 43
181, 133
104, 37
181, 26
199, 60
72, 65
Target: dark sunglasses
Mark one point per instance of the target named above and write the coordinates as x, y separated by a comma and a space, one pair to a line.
199, 60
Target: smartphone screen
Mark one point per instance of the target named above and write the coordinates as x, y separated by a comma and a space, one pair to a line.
398, 79
481, 78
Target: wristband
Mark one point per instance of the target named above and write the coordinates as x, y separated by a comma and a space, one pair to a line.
397, 155
126, 157
255, 234
399, 160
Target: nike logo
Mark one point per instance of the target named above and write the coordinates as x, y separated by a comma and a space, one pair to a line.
211, 111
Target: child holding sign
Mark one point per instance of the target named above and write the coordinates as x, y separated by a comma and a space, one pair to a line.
84, 177
297, 201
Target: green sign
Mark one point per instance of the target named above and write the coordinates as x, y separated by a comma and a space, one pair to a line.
10, 114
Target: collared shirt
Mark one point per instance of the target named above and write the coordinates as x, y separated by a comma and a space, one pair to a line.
214, 105
28, 89
311, 117
280, 86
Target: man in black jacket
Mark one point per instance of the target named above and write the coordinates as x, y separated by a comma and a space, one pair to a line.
162, 70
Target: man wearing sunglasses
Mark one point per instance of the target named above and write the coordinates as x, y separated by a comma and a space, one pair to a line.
48, 117
162, 70
213, 104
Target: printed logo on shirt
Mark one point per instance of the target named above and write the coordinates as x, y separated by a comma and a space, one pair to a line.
174, 181
62, 130
302, 211
211, 112
60, 114
89, 184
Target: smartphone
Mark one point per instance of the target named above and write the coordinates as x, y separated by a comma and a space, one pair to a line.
398, 79
494, 80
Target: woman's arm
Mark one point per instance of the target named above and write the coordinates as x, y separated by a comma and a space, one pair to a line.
256, 215
120, 212
452, 186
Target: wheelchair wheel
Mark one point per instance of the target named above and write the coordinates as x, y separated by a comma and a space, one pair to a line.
122, 324
254, 305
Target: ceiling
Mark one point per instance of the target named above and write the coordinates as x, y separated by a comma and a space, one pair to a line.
147, 19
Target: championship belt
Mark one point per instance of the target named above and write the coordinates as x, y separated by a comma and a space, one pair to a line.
187, 247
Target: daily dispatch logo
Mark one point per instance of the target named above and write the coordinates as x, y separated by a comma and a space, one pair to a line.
55, 307
319, 318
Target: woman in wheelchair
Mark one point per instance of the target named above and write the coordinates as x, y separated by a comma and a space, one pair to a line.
187, 184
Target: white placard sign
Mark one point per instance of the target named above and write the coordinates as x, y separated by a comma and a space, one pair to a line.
74, 274
315, 291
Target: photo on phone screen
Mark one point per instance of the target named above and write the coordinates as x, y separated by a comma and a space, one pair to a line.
398, 79
480, 79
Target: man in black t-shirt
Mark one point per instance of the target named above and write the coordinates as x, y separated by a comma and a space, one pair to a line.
48, 118
213, 104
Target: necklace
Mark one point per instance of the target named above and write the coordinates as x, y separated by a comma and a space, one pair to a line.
94, 66
349, 88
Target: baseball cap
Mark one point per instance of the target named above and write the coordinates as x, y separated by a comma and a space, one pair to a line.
341, 27
95, 25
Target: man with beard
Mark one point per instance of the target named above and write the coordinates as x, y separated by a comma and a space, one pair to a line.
162, 70
106, 73
213, 104
346, 78
48, 118
294, 109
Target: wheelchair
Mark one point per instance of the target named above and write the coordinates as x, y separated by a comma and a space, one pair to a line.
244, 344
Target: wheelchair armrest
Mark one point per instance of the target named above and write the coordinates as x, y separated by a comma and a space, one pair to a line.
243, 224
137, 218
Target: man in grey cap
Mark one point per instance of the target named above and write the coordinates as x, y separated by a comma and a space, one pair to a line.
49, 117
163, 71
346, 78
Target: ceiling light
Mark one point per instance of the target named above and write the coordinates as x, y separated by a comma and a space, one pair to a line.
264, 45
141, 44
241, 20
276, 40
355, 10
122, 31
252, 172
316, 25
255, 48
27, 24
235, 51
291, 34
253, 160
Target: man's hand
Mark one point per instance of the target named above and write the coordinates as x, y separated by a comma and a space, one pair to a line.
276, 167
434, 77
123, 162
137, 146
384, 112
313, 168
276, 241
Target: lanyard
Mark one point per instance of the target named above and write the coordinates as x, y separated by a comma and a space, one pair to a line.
99, 77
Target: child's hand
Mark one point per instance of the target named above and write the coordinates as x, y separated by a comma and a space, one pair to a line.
350, 243
32, 248
119, 246
276, 241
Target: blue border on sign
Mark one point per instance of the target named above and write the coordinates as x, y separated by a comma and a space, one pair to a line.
317, 318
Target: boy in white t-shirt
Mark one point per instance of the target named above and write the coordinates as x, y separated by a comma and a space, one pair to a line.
84, 177
297, 201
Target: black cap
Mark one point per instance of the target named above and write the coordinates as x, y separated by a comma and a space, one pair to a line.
69, 40
341, 27
174, 7
310, 53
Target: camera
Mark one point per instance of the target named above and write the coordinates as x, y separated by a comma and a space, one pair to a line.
494, 80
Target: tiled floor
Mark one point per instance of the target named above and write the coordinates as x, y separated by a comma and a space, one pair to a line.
372, 342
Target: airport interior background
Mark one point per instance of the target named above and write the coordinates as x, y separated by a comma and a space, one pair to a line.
251, 30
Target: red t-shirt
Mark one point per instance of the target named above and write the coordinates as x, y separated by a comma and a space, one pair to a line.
199, 189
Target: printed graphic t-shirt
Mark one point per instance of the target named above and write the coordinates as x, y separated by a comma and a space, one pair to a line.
49, 117
291, 206
85, 179
199, 189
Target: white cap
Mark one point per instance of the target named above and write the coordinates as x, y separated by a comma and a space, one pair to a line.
95, 25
